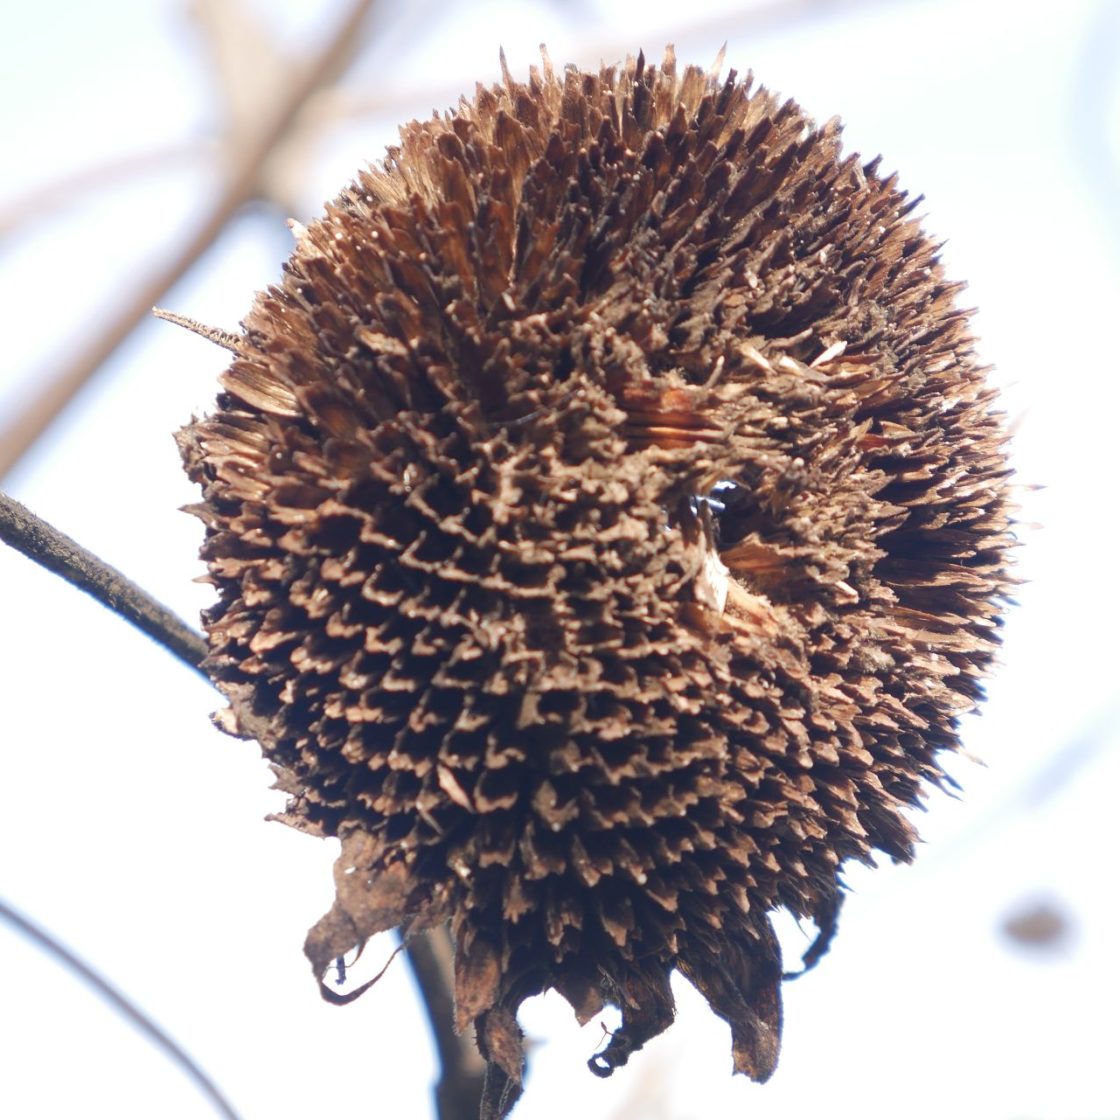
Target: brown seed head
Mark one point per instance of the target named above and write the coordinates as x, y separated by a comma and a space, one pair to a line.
609, 523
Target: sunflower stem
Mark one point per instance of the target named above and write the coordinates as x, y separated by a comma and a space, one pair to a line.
458, 1091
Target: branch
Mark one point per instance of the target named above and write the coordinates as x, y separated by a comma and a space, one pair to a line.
430, 954
459, 1089
56, 552
122, 1004
21, 434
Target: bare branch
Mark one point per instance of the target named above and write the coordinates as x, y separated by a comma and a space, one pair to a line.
20, 435
18, 214
56, 552
430, 954
122, 1004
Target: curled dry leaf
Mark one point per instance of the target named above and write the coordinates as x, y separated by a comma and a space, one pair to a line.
608, 518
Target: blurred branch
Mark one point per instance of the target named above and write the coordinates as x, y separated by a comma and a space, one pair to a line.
56, 552
462, 1069
430, 954
43, 200
330, 106
21, 435
122, 1004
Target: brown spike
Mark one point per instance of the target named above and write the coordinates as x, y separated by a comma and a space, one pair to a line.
219, 337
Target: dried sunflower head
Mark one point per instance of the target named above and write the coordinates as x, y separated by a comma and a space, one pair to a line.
609, 524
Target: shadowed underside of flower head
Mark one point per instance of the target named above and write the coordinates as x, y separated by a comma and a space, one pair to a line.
608, 519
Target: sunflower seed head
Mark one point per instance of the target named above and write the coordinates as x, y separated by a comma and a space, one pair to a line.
609, 523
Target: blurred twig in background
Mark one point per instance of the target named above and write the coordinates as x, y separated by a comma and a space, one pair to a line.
121, 1003
21, 432
462, 1069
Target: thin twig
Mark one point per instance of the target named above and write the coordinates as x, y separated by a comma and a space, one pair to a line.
22, 433
122, 1004
430, 954
462, 1070
41, 542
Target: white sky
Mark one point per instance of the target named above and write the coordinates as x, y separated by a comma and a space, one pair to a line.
134, 831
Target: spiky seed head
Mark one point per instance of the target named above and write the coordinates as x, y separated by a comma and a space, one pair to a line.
608, 518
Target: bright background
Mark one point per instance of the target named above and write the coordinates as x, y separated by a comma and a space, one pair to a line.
134, 831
